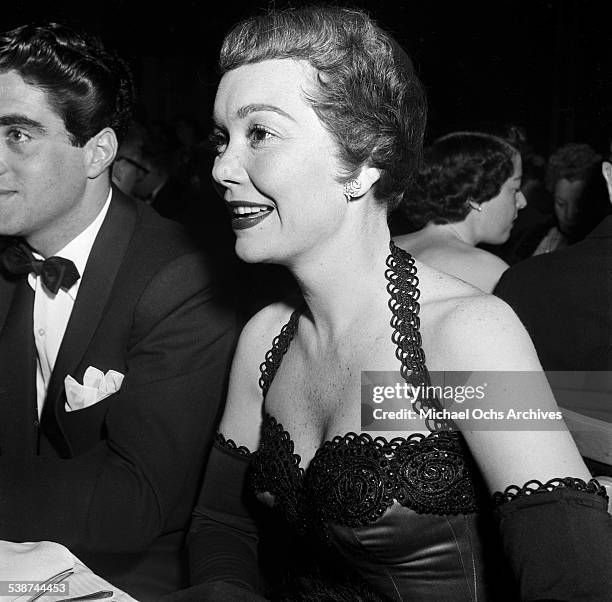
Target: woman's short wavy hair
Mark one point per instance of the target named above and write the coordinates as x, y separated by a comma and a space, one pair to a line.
459, 168
367, 95
88, 86
572, 162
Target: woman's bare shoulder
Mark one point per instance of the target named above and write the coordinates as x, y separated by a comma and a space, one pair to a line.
482, 332
267, 323
486, 259
471, 264
242, 417
439, 287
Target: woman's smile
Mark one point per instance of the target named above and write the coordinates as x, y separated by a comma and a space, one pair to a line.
246, 215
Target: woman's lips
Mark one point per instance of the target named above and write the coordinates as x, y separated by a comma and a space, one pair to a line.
246, 215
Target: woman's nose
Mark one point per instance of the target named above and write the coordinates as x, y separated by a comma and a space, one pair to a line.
227, 168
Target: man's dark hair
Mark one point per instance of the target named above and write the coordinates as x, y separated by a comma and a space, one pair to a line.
88, 86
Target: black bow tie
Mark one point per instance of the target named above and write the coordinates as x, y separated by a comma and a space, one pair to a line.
55, 272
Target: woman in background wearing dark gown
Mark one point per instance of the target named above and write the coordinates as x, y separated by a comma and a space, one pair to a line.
319, 120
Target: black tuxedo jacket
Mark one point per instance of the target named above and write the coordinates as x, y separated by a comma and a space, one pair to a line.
116, 482
564, 299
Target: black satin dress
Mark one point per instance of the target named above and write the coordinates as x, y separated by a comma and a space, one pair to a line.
401, 514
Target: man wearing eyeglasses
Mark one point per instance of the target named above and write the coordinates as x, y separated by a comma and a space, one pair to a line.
127, 172
143, 170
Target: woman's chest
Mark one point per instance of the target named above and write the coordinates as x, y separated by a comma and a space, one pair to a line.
317, 398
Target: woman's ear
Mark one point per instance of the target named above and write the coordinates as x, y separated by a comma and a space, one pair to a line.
101, 150
606, 169
368, 177
360, 185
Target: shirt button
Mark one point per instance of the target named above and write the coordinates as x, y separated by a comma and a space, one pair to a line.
41, 332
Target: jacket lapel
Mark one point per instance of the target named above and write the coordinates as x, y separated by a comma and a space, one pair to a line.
104, 261
7, 285
7, 288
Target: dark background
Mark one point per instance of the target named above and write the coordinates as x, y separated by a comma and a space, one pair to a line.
544, 65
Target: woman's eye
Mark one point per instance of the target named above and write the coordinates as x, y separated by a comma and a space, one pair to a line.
259, 134
256, 135
218, 142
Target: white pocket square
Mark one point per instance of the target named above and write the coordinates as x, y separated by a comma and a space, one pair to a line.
96, 387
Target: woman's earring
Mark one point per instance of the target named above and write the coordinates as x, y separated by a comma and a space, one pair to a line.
351, 189
474, 206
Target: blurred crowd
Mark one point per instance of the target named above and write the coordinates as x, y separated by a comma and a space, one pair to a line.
565, 197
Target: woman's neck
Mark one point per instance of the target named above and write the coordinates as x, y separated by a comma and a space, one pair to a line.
460, 232
343, 278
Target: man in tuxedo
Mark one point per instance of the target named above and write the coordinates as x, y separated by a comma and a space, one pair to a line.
564, 299
114, 348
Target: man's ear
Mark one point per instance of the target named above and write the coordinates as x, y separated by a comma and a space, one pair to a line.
606, 169
100, 152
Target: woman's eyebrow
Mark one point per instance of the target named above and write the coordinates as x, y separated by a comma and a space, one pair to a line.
246, 110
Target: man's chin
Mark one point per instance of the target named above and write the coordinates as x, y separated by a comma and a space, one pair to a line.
8, 232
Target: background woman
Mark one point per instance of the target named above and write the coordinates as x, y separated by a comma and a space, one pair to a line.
319, 120
467, 192
579, 197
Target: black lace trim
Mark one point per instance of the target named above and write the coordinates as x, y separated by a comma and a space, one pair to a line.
354, 479
533, 487
275, 469
404, 305
229, 444
274, 356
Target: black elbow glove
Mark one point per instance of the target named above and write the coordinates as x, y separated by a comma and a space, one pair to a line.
558, 539
223, 538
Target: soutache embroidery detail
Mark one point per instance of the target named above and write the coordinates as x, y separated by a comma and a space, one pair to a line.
274, 356
275, 469
534, 487
221, 441
404, 294
354, 479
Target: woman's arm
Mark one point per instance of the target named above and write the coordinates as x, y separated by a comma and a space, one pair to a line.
555, 531
223, 538
520, 437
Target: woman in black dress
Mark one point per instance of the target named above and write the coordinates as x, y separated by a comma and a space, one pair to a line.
319, 120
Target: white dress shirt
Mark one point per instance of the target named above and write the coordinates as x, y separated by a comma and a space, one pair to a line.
52, 312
